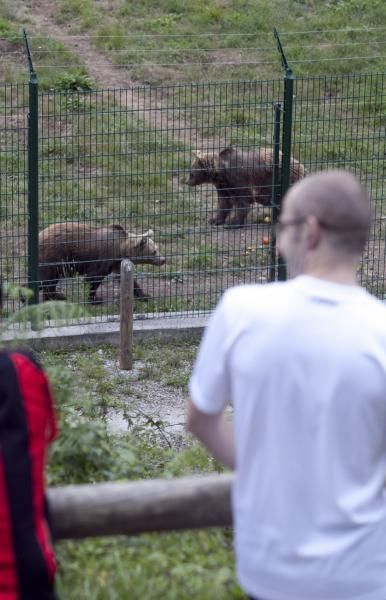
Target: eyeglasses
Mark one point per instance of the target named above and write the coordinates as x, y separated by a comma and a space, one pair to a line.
281, 225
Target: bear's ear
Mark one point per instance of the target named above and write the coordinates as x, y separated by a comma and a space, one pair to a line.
117, 227
148, 234
226, 152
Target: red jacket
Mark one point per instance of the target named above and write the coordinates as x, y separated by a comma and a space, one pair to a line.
27, 427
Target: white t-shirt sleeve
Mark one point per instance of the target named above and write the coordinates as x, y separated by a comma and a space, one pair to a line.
209, 385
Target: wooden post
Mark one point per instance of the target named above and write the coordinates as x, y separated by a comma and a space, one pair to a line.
102, 509
126, 315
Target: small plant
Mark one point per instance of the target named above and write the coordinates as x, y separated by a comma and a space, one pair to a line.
163, 22
238, 117
35, 316
85, 452
83, 11
203, 258
74, 82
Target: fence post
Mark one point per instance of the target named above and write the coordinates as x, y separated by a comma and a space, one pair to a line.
275, 189
287, 130
33, 181
287, 134
126, 314
286, 149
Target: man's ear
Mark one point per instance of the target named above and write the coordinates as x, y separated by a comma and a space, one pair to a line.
314, 232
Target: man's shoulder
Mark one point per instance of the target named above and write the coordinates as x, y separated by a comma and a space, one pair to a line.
253, 290
373, 310
253, 296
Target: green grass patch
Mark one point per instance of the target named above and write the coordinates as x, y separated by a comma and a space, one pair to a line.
178, 566
82, 12
243, 25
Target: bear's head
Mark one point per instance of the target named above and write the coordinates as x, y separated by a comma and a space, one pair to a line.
203, 169
143, 250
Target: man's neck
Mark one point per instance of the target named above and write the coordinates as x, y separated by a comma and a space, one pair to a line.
345, 275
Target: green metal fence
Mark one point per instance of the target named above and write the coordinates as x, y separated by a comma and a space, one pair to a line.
122, 157
339, 122
14, 106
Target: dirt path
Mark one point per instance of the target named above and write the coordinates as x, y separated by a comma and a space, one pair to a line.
41, 15
150, 107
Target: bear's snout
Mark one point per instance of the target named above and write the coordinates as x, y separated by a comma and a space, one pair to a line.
160, 260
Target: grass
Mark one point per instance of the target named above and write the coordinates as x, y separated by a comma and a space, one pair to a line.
178, 566
168, 41
168, 33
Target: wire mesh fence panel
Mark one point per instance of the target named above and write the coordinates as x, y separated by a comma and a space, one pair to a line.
179, 179
13, 188
121, 174
339, 123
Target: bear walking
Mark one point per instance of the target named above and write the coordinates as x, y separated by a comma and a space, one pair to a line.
241, 179
69, 248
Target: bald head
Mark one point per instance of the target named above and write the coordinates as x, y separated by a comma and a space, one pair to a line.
339, 203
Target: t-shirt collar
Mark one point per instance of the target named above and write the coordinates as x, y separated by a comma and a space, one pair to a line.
316, 285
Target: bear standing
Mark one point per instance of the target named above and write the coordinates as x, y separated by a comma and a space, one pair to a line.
241, 179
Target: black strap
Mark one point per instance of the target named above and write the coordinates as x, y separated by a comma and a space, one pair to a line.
32, 571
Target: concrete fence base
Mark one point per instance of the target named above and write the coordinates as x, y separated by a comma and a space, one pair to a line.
94, 332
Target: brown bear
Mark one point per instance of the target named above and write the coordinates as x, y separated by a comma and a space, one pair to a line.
241, 179
69, 248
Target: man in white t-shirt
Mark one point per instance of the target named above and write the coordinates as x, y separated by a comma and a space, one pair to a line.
303, 363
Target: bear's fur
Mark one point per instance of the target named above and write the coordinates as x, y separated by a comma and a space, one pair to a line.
241, 179
69, 248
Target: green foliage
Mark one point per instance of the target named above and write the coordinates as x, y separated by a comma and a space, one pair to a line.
178, 379
354, 7
173, 566
247, 17
35, 316
177, 566
8, 30
202, 258
83, 11
193, 460
86, 452
73, 81
164, 23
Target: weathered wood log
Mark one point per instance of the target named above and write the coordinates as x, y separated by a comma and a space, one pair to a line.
80, 511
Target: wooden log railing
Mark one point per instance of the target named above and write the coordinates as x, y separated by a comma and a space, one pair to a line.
102, 509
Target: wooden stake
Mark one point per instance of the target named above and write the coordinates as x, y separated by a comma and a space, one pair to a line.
126, 315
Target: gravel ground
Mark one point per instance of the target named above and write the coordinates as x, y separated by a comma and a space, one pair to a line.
149, 399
